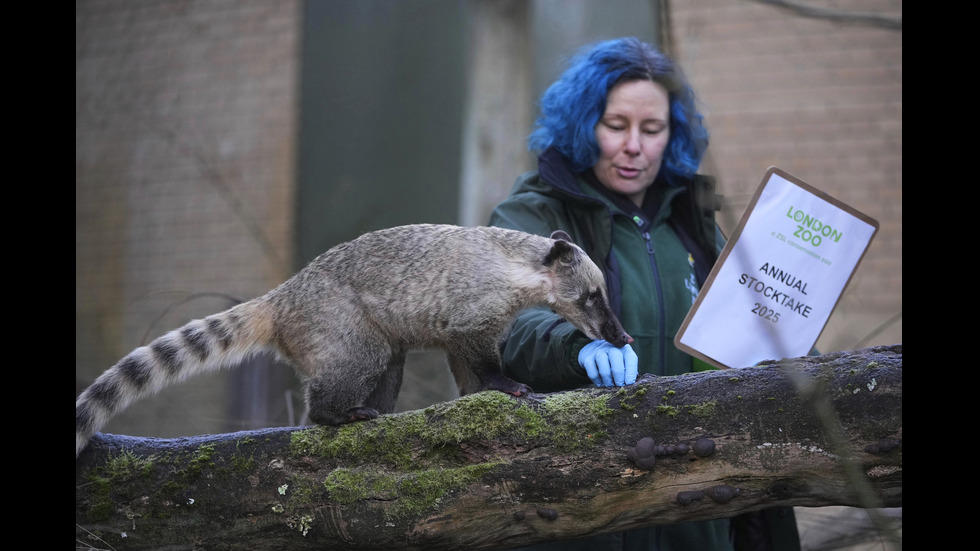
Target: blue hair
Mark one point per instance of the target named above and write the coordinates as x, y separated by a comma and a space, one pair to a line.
573, 105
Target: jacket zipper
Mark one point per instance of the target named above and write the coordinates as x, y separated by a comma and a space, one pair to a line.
661, 314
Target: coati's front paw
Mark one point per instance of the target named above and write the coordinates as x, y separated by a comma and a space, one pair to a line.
519, 389
360, 414
510, 386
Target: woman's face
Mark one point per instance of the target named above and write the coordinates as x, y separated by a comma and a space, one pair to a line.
632, 135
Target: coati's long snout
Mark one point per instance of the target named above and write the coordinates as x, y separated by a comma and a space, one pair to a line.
605, 324
622, 340
613, 333
581, 296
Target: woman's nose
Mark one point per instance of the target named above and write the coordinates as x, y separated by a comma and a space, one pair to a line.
632, 146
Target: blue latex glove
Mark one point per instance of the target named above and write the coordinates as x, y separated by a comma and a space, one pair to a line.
607, 365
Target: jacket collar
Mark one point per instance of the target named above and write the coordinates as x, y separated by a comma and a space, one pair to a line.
555, 170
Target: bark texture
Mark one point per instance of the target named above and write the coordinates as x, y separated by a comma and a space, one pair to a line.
490, 470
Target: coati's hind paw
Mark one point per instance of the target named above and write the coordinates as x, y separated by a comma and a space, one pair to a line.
350, 416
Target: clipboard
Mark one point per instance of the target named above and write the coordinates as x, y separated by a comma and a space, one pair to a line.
779, 277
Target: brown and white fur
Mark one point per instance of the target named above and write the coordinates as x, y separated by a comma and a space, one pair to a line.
346, 321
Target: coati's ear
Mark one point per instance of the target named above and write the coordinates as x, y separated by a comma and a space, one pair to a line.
562, 249
560, 235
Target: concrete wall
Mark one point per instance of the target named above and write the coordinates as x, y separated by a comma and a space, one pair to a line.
184, 173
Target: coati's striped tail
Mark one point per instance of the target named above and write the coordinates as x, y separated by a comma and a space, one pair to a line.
215, 342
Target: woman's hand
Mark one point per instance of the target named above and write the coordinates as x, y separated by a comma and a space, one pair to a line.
608, 365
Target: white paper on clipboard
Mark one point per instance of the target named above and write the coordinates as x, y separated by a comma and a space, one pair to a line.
779, 277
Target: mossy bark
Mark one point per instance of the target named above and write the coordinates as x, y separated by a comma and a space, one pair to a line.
490, 470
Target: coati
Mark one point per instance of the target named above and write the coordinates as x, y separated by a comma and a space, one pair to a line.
346, 321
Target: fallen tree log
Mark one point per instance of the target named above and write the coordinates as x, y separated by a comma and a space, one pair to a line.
490, 470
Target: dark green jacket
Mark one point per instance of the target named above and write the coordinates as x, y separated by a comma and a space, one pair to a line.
653, 267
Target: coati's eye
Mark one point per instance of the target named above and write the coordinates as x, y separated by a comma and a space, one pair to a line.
588, 298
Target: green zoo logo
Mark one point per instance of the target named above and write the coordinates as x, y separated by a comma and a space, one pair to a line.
810, 229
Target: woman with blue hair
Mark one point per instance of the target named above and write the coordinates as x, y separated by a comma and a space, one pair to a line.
620, 141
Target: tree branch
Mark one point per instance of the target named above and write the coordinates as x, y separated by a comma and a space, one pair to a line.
490, 470
869, 19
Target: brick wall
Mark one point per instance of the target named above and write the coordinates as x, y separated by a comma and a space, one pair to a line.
822, 100
184, 148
